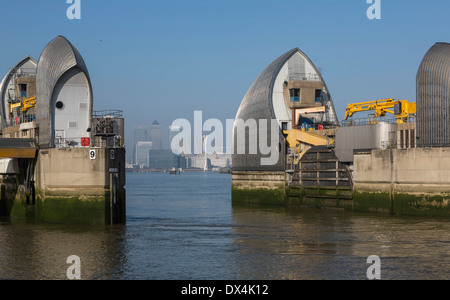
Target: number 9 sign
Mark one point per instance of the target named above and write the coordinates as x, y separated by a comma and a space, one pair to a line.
92, 154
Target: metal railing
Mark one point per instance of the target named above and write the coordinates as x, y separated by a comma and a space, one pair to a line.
96, 142
370, 120
303, 76
108, 114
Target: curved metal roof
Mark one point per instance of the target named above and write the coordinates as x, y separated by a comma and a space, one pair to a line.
4, 83
258, 104
58, 57
433, 97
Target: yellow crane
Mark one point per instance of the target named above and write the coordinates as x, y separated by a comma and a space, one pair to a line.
27, 104
402, 109
300, 141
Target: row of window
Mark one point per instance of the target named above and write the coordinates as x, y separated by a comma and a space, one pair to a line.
295, 95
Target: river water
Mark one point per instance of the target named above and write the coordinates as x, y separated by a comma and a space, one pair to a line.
184, 227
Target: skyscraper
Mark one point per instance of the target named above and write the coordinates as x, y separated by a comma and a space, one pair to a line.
140, 135
142, 153
155, 135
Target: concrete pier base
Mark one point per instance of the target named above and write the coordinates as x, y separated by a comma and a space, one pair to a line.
411, 182
263, 188
70, 187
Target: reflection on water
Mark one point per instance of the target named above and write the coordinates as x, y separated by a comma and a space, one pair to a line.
316, 244
40, 251
184, 227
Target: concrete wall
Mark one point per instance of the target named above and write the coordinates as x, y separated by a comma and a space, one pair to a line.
70, 188
427, 169
267, 188
403, 181
72, 168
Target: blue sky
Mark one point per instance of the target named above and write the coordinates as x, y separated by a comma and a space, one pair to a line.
165, 59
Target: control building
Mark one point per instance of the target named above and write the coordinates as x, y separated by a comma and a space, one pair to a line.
71, 168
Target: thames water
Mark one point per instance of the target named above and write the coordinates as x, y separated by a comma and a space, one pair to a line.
184, 227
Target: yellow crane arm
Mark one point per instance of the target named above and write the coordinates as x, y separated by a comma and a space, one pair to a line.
296, 137
29, 103
402, 108
12, 106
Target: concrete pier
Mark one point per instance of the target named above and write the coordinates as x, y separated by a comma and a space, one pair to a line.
403, 181
411, 182
70, 187
259, 187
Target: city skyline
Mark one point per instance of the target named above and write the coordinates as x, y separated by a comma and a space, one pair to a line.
145, 155
152, 133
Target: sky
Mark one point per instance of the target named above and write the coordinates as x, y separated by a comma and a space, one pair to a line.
163, 60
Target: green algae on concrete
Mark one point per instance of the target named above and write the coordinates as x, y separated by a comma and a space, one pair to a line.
433, 205
368, 201
272, 197
320, 197
61, 210
408, 204
381, 202
73, 210
64, 209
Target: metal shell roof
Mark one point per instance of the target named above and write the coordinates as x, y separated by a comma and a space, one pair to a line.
4, 83
433, 97
258, 104
58, 57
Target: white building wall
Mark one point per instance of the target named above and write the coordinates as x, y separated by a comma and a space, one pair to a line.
72, 120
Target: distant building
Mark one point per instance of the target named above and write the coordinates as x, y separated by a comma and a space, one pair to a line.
139, 135
220, 160
200, 162
165, 160
155, 135
142, 150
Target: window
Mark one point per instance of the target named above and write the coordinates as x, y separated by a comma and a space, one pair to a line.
59, 105
401, 139
294, 95
318, 93
23, 90
413, 138
406, 139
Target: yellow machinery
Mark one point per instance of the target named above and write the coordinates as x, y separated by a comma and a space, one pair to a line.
299, 141
402, 109
27, 104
